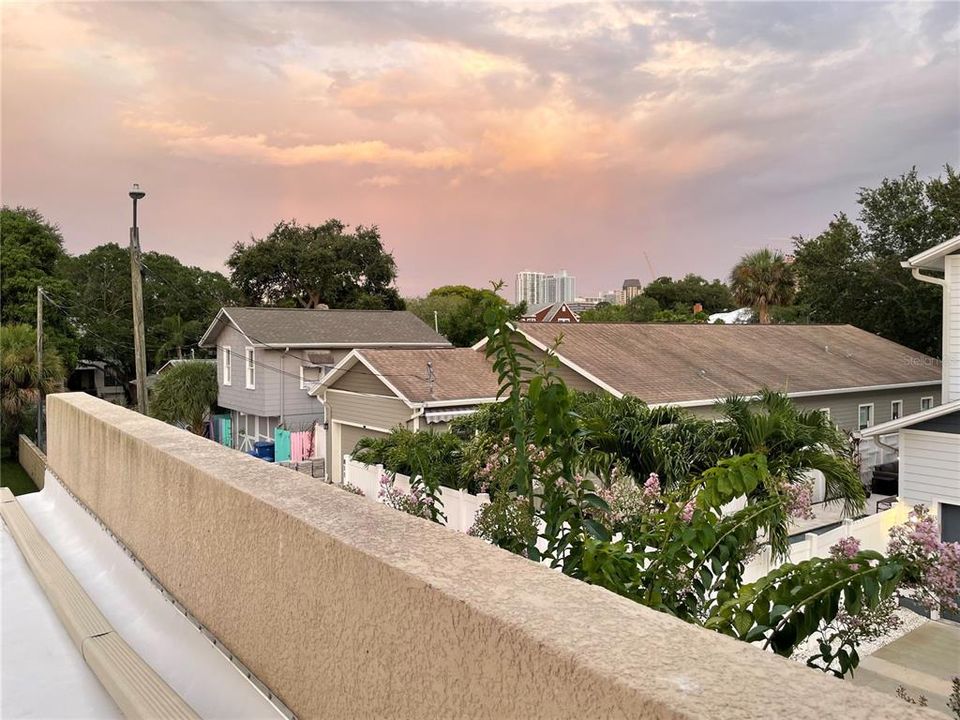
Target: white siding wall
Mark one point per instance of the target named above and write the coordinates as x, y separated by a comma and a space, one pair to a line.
929, 467
951, 328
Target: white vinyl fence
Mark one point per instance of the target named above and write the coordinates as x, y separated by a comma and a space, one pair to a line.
872, 532
459, 506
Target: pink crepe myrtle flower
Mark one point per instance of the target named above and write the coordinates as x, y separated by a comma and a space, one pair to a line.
651, 488
687, 513
845, 548
936, 564
799, 500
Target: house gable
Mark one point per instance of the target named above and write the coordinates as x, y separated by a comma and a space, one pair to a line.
359, 379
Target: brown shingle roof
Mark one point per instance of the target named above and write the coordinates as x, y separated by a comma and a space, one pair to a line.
340, 328
459, 373
662, 363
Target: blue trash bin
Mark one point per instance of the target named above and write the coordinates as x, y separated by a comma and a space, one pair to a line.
264, 450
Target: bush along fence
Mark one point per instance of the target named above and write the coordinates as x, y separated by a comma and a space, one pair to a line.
401, 492
460, 508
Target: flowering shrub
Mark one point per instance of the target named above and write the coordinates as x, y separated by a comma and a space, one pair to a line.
935, 565
800, 500
416, 502
506, 521
629, 503
845, 548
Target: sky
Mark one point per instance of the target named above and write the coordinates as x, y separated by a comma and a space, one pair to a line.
610, 140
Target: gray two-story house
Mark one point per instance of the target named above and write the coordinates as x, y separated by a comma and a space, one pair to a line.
269, 358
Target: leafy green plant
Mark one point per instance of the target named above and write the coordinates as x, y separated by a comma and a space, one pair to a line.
185, 395
674, 549
438, 457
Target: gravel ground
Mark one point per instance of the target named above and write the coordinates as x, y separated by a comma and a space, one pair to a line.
909, 621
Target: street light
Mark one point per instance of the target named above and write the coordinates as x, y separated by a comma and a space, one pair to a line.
137, 194
136, 293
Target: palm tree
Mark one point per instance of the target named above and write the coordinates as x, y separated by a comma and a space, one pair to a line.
627, 432
176, 333
762, 279
185, 394
21, 381
795, 442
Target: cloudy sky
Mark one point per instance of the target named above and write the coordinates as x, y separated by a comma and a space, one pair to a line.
482, 139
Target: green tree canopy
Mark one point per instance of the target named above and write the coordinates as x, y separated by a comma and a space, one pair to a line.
639, 309
459, 311
851, 273
185, 394
32, 251
307, 265
681, 295
762, 279
178, 301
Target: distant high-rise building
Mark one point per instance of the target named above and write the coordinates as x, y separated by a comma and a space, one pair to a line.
530, 288
537, 288
565, 287
614, 297
632, 287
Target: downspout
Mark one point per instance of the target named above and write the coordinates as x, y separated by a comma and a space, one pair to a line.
945, 367
282, 381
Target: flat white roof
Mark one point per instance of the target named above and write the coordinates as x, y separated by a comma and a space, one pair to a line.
170, 643
44, 676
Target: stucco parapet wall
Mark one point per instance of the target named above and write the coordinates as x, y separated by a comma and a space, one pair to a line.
349, 609
32, 460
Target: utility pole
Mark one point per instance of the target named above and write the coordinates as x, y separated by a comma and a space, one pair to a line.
136, 295
40, 428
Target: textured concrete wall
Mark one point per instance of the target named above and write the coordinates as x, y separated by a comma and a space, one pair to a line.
348, 609
32, 460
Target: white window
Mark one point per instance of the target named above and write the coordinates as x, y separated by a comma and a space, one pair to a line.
926, 403
865, 416
227, 363
896, 409
250, 367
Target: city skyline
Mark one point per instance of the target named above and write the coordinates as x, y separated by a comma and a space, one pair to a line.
480, 138
539, 288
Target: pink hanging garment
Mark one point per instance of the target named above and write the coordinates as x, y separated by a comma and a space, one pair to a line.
296, 447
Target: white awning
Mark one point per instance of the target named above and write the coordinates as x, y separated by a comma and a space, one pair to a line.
445, 414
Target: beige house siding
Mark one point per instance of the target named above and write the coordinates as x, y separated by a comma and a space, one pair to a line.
367, 410
359, 379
